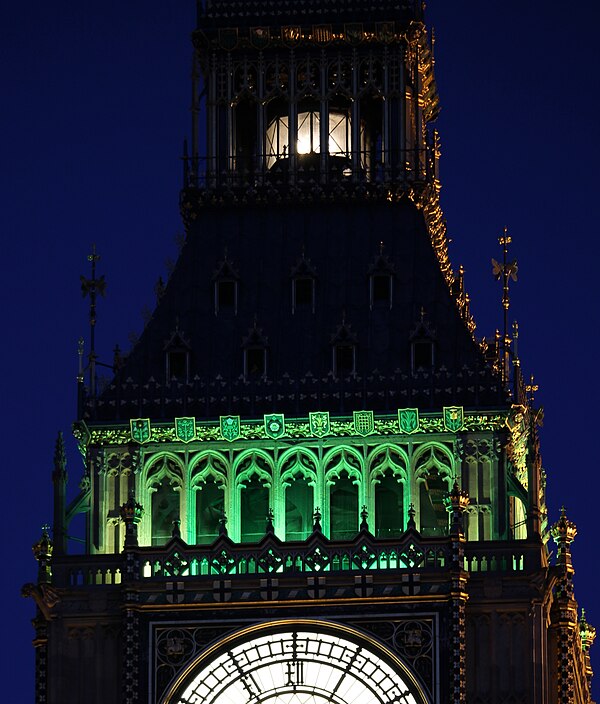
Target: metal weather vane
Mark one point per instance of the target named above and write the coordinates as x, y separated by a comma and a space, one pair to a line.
93, 287
507, 271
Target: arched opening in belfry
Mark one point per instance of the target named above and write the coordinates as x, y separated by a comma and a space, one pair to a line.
298, 509
210, 503
343, 507
254, 507
433, 514
165, 510
389, 505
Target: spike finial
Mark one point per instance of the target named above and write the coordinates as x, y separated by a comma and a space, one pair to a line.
93, 287
507, 271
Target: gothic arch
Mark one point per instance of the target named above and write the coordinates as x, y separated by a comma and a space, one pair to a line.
306, 464
214, 464
381, 458
433, 476
299, 488
344, 492
209, 489
388, 490
434, 454
349, 460
253, 471
163, 496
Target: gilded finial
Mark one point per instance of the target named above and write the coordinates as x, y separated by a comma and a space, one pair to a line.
563, 531
531, 389
131, 514
132, 511
587, 633
457, 501
507, 271
515, 338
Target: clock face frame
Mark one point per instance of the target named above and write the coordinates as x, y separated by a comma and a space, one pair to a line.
297, 663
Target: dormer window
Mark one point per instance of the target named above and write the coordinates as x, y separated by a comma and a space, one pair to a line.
225, 295
225, 280
344, 360
255, 362
381, 281
422, 345
177, 357
255, 354
303, 293
303, 276
343, 343
381, 289
422, 355
177, 364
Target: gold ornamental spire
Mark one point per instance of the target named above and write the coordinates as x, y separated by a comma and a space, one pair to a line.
506, 271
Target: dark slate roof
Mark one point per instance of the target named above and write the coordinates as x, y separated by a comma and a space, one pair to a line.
261, 248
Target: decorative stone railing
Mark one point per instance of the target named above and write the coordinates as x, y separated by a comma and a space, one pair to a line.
411, 553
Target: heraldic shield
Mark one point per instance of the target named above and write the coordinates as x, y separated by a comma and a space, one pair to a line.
185, 429
408, 420
319, 423
275, 425
453, 418
230, 427
364, 423
140, 429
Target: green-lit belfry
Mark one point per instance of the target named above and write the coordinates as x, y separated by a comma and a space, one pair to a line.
309, 482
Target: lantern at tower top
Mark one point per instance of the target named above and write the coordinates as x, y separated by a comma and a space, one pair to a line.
299, 96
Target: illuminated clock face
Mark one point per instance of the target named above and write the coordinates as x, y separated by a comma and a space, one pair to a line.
299, 667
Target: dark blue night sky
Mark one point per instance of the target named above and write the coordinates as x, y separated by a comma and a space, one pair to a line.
95, 106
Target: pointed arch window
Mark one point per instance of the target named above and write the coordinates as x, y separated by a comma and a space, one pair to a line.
343, 345
389, 505
381, 281
303, 277
210, 509
434, 474
434, 517
298, 509
422, 346
163, 484
226, 288
343, 508
177, 357
165, 510
254, 508
255, 354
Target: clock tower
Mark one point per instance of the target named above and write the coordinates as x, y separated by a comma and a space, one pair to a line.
309, 482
